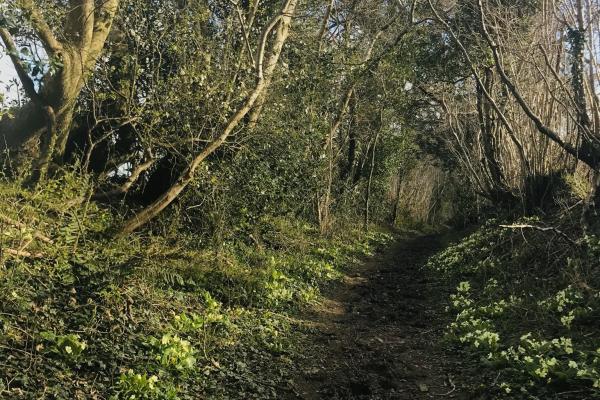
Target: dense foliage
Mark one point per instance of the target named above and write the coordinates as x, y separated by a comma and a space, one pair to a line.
86, 316
179, 178
525, 305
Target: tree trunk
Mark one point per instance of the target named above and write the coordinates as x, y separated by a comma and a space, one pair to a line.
394, 213
369, 183
324, 24
352, 142
326, 199
85, 33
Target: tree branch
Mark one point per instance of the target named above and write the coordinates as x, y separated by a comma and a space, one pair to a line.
41, 27
80, 23
488, 96
589, 159
104, 16
24, 77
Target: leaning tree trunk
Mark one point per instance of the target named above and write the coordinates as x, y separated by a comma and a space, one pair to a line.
265, 69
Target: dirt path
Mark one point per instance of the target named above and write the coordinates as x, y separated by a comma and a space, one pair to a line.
377, 335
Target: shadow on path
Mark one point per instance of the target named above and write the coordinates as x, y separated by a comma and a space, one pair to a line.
377, 335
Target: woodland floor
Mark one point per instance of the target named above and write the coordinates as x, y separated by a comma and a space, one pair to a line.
379, 334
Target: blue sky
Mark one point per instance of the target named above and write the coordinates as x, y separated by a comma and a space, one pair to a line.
7, 72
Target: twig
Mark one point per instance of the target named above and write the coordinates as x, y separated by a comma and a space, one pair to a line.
450, 391
22, 253
571, 392
36, 234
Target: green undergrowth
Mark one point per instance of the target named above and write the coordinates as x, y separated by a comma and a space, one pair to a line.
526, 305
84, 315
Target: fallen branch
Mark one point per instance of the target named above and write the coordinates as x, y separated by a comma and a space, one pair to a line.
542, 229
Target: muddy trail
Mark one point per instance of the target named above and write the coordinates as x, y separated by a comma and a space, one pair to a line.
378, 334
